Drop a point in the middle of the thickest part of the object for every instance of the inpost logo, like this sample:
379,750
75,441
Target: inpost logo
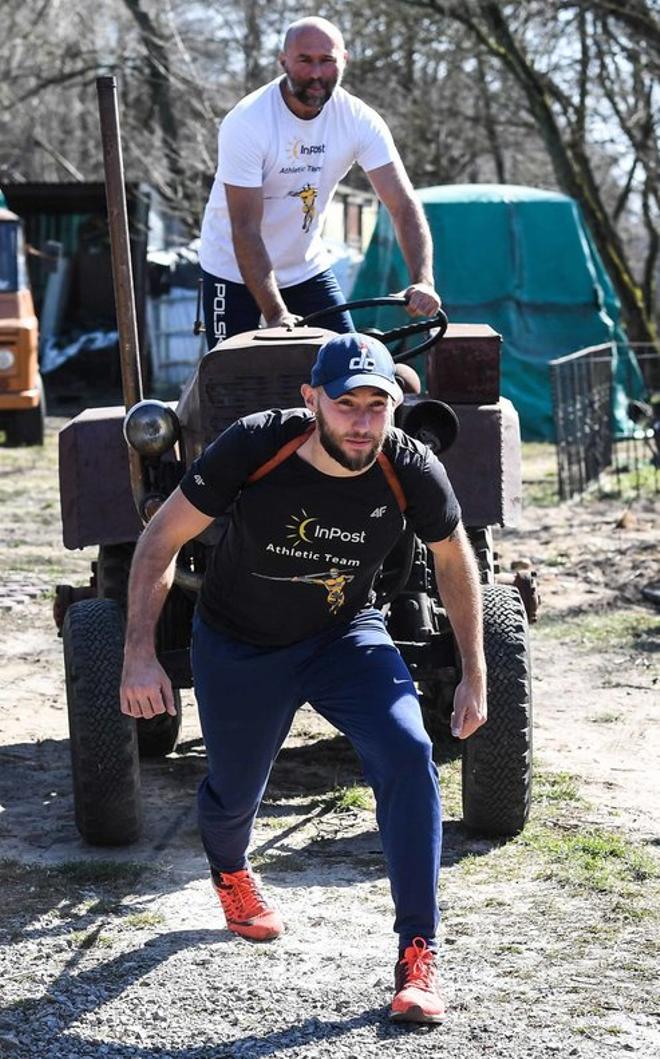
306,528
296,149
293,149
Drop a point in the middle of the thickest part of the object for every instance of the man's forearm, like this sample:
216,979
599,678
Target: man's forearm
146,689
414,238
152,575
458,585
257,271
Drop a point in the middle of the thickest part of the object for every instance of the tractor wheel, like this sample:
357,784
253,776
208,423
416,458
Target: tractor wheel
497,759
158,736
104,748
481,539
436,699
27,426
112,570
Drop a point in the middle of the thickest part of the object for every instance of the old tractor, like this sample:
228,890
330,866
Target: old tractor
109,490
21,390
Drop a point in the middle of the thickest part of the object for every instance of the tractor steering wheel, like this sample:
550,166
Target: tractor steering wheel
436,325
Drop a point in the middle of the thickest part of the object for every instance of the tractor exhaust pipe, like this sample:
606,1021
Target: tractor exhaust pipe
122,269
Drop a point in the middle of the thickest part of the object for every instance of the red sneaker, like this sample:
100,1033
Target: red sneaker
417,993
245,908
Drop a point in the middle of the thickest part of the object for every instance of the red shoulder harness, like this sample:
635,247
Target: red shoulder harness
291,446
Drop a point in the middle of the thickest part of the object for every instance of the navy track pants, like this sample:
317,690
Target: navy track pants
355,678
230,309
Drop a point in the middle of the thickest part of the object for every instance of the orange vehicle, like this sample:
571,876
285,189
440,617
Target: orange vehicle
21,391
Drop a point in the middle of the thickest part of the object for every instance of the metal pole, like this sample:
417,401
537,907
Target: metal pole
122,271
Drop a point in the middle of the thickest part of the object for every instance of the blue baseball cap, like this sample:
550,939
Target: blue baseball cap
347,361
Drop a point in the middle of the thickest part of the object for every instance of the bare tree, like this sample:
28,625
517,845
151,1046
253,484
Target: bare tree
558,93
557,82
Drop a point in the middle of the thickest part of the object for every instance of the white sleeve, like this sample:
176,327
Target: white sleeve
376,146
240,159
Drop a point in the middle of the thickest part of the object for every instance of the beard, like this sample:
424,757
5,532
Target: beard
331,442
299,89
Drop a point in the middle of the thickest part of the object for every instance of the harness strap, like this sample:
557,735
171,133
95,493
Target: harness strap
392,480
296,443
281,455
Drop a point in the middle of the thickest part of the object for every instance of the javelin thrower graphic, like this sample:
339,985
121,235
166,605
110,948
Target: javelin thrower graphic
307,196
332,581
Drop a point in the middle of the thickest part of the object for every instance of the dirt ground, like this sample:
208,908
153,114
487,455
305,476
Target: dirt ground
550,940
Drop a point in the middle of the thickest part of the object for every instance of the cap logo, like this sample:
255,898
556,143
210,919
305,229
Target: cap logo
362,363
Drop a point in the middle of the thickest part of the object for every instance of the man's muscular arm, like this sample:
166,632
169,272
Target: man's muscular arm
245,213
458,583
393,187
145,687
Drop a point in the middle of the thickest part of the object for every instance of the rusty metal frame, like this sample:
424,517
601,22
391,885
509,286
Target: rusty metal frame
122,270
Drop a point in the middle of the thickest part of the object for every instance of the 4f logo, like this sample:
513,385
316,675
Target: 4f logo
362,363
378,512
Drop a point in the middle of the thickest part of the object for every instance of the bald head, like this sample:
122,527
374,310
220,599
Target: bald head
320,26
313,59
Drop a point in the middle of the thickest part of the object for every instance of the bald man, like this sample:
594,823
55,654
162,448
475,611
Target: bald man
281,153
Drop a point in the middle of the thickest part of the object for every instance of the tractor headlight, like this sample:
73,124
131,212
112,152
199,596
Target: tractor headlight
151,427
7,359
432,422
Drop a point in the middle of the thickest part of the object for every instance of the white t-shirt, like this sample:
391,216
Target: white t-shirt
298,163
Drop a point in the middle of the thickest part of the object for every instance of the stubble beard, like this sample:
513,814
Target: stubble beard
299,90
332,445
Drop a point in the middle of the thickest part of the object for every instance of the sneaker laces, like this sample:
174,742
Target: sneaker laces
240,896
418,965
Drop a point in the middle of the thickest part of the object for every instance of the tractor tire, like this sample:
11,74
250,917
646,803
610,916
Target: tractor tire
481,539
112,569
158,736
31,425
497,759
436,700
103,741
27,426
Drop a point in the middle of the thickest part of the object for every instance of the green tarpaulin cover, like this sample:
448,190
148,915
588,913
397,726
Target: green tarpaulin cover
521,260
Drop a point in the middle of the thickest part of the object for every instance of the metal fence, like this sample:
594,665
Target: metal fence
582,395
582,406
647,359
637,453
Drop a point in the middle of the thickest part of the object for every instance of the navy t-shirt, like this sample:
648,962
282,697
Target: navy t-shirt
300,548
